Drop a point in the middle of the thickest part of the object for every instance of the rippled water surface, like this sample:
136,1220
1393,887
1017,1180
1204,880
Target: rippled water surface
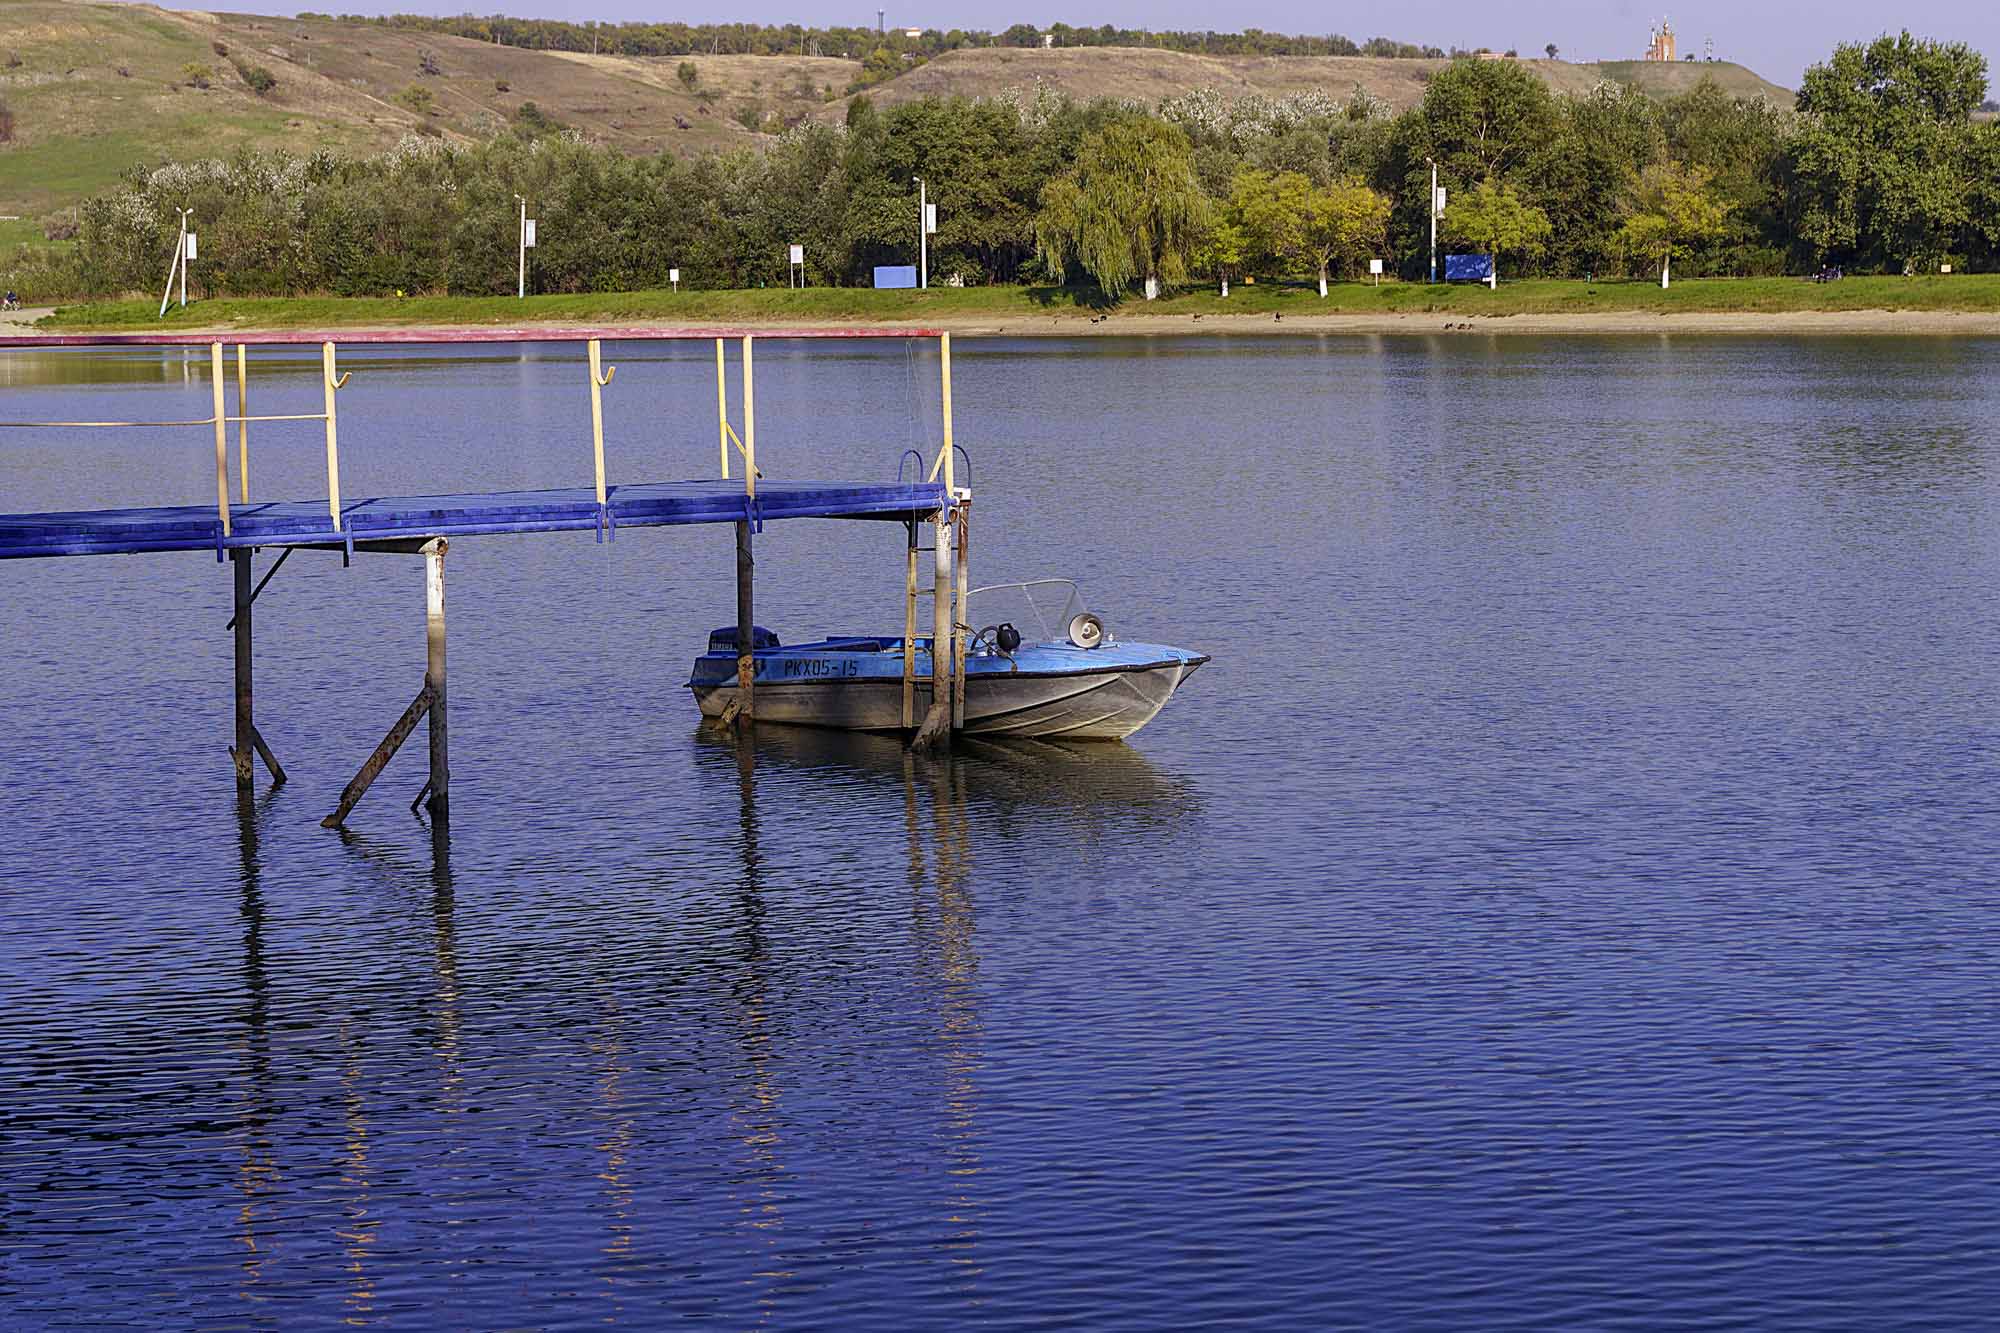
1568,898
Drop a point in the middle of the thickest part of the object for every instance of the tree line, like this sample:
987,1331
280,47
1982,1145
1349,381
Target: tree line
680,39
1880,166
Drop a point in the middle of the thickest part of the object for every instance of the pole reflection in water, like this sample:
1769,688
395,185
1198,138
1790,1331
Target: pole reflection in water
257,1172
756,1118
945,945
1091,791
358,1232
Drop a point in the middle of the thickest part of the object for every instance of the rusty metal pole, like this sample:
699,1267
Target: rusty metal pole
962,516
746,665
244,752
440,797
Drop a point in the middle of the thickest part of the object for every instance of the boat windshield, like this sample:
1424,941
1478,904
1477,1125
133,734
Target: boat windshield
1048,605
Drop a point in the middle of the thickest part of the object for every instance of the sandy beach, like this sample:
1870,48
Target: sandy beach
20,324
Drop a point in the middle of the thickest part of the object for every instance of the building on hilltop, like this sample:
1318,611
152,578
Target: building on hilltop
1660,42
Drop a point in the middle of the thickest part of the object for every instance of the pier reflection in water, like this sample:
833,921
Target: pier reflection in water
771,1119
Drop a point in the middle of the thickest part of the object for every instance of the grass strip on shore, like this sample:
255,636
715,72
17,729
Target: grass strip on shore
1969,293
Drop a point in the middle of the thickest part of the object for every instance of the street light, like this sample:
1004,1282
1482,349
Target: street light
1432,205
923,234
521,271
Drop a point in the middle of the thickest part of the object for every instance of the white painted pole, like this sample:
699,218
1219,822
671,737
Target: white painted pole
923,236
180,243
1433,207
521,271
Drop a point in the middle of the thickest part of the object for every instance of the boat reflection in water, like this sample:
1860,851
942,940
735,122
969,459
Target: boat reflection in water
1006,788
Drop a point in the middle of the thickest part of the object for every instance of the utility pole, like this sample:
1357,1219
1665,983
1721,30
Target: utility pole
923,235
1433,206
521,271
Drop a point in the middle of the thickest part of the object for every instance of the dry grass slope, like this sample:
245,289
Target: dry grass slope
101,87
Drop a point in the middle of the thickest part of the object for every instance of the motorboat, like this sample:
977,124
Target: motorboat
1076,681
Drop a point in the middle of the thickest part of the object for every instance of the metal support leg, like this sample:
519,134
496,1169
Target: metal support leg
746,665
243,752
937,720
440,785
961,523
249,740
910,632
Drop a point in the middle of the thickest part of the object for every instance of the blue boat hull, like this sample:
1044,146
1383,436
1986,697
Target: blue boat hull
1043,690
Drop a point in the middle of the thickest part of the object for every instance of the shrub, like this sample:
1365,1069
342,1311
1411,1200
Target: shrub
6,121
220,48
255,77
500,86
427,65
416,98
688,75
750,114
124,71
196,75
62,226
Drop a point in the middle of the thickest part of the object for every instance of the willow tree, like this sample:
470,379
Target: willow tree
1131,209
1672,211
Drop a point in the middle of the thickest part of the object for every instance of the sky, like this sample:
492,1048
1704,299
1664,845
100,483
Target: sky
1778,40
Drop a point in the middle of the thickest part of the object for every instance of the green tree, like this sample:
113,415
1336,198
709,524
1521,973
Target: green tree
1220,251
1269,210
1673,210
1132,208
1342,223
687,74
1493,220
1882,166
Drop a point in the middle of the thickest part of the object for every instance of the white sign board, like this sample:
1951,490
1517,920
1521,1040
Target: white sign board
1440,199
798,254
930,219
674,276
190,249
1375,267
528,235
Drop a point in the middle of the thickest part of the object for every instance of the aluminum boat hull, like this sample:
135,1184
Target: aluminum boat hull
1051,691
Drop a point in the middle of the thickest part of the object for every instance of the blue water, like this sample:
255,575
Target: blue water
1567,898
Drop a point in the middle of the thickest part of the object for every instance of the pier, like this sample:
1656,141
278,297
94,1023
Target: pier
238,526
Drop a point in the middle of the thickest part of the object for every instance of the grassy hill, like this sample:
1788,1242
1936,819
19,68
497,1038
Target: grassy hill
95,88
1148,75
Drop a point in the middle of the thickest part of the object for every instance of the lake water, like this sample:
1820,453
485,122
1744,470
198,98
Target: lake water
1568,898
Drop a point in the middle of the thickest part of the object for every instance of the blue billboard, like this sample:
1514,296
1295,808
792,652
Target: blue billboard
895,275
1468,268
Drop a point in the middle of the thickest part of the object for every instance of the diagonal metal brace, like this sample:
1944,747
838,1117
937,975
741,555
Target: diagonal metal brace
379,760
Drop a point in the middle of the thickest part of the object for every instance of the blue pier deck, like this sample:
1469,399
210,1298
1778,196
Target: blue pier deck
307,522
235,525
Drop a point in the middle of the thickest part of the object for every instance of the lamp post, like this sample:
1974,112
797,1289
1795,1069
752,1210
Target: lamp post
521,269
1432,206
923,234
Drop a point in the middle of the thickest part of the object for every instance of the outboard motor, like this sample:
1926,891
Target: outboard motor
724,640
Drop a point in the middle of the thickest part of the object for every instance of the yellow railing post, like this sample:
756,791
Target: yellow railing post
221,436
597,383
721,410
749,424
942,463
944,359
242,426
333,383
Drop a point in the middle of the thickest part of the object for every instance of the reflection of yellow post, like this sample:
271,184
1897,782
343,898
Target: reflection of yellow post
597,382
333,383
721,410
242,426
221,437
